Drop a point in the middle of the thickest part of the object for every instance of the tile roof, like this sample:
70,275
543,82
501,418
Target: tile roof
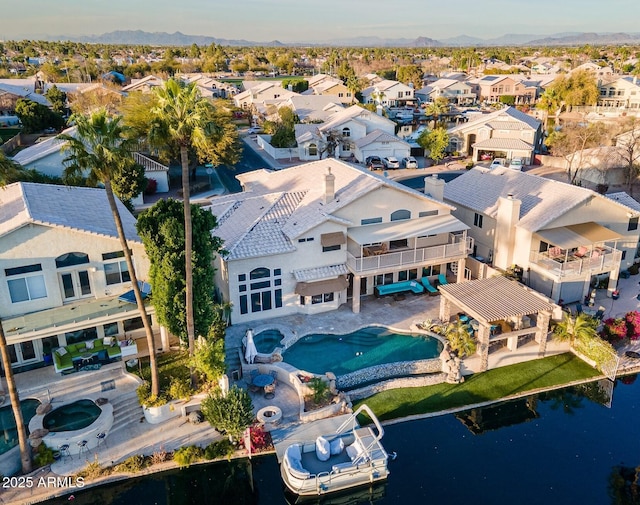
543,200
42,149
625,199
312,274
501,143
75,208
378,136
278,207
353,112
507,125
506,114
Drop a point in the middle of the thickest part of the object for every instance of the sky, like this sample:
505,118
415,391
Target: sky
307,21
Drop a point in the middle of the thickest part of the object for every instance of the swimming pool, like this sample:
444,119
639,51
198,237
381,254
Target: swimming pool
8,432
72,416
266,341
369,346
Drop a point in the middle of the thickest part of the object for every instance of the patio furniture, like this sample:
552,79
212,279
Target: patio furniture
263,380
274,374
428,286
64,357
398,287
442,279
64,451
579,308
101,437
269,391
252,375
83,447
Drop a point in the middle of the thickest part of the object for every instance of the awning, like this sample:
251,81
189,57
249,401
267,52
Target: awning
332,239
576,235
318,288
396,230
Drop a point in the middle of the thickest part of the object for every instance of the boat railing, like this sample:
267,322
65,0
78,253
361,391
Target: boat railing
351,423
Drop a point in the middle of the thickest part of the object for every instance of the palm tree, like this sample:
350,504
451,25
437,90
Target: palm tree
101,149
436,109
7,165
581,327
459,338
182,119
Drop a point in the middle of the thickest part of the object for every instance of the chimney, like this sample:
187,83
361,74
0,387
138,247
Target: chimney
434,187
329,186
379,110
507,218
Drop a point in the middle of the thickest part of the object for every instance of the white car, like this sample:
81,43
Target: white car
409,162
516,164
498,162
254,130
391,162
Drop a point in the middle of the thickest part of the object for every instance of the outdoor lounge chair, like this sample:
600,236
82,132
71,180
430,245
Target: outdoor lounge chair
428,286
442,279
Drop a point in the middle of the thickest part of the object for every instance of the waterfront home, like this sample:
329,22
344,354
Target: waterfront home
312,237
507,133
389,94
563,237
62,270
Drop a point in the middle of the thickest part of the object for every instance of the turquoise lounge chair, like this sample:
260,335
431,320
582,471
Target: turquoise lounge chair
428,286
442,279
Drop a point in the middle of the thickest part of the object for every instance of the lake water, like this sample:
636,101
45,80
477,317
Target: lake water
563,447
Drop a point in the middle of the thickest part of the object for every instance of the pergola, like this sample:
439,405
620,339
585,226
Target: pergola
499,302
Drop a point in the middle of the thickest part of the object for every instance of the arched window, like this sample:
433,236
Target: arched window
346,132
401,214
71,259
313,150
259,273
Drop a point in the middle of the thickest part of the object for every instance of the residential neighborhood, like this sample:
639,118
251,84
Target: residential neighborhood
210,252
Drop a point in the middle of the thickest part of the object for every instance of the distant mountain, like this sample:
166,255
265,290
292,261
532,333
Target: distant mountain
139,37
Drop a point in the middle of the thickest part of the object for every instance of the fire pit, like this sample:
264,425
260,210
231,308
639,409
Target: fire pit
269,416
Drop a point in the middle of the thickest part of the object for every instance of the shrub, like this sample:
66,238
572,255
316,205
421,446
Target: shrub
132,464
220,449
147,399
43,456
187,455
180,389
93,470
632,320
260,439
152,187
231,413
614,330
319,389
160,457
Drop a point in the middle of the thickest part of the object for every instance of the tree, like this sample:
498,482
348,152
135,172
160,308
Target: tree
57,98
571,141
231,413
436,142
100,149
14,397
459,338
182,120
628,142
36,117
437,108
162,231
410,74
581,327
208,359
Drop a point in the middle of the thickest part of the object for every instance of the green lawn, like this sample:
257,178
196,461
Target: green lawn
491,385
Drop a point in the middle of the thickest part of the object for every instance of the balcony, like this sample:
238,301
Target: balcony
565,265
458,248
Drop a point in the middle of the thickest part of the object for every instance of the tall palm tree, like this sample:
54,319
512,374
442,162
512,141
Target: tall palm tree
583,326
436,109
7,165
182,119
101,149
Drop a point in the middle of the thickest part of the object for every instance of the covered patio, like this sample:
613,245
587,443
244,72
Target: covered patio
502,313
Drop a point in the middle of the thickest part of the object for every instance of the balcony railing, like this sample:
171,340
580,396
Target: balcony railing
574,266
411,257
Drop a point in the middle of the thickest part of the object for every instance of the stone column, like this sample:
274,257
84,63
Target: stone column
613,280
484,333
542,331
355,303
460,275
445,309
164,338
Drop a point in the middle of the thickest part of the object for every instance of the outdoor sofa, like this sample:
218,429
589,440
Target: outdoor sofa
64,357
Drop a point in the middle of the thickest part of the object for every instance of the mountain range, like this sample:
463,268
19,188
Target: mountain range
139,37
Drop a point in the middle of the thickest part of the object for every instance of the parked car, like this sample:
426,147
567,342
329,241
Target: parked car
255,130
516,164
498,162
409,162
374,163
391,162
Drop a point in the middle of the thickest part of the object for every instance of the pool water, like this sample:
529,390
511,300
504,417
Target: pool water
71,417
370,346
266,341
8,432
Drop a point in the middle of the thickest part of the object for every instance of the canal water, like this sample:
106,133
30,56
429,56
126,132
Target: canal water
573,446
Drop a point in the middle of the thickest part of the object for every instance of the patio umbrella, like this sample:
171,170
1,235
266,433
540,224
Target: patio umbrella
250,348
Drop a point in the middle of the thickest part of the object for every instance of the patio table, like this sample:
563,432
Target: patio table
263,380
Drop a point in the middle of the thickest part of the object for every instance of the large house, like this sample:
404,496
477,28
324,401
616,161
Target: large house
325,85
506,133
389,94
456,92
62,270
312,237
344,130
261,93
563,237
490,88
622,93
